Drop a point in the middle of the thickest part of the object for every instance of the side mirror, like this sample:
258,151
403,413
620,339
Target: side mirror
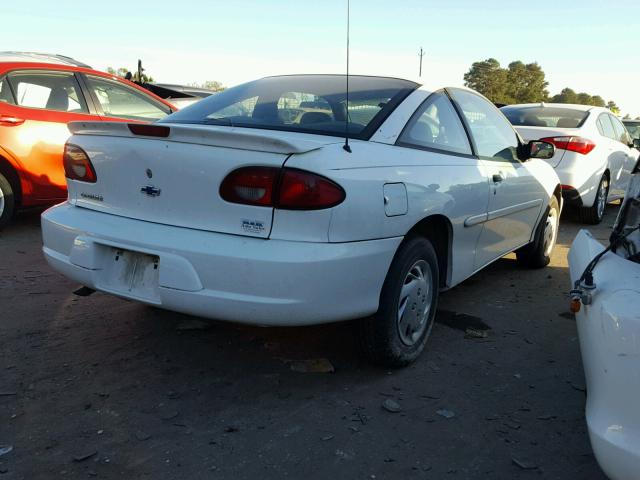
636,143
539,149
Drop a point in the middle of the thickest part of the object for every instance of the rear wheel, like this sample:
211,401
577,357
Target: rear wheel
538,253
7,201
396,335
594,214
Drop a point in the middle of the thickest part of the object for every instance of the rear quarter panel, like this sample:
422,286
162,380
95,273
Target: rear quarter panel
453,186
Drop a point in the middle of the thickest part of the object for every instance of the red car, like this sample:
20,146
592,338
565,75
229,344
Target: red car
39,95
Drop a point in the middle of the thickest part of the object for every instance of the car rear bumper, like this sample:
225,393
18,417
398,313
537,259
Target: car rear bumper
581,175
220,276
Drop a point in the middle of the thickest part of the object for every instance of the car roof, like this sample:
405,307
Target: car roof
35,57
572,106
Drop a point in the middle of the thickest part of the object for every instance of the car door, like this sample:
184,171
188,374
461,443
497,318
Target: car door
41,103
516,196
117,101
453,178
624,156
608,140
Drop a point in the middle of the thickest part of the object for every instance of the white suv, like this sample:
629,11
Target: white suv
594,152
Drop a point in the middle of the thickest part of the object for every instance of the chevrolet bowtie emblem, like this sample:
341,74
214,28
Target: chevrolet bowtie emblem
151,191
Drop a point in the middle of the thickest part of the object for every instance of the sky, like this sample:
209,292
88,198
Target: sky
587,45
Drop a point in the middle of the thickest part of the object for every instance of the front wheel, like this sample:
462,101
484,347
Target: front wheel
538,253
593,215
396,335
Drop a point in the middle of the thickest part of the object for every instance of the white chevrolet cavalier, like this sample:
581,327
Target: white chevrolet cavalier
249,207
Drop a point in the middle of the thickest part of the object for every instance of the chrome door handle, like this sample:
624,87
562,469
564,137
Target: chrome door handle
497,178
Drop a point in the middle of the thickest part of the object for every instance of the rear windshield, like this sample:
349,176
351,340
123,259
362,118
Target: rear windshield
555,117
302,103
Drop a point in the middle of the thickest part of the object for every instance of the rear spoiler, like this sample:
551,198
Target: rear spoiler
238,138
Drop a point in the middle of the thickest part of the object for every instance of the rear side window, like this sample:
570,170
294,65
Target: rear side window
554,117
6,96
121,101
436,125
605,127
633,128
57,91
492,133
621,133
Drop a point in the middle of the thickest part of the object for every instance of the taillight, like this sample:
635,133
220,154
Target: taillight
77,165
573,144
300,190
286,188
250,186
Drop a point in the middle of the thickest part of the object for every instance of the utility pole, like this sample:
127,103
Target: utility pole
421,54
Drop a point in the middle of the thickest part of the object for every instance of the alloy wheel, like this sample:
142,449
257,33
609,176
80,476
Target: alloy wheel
601,200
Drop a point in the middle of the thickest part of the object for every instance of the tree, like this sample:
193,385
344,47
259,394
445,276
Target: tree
585,99
565,96
627,117
519,83
569,96
210,85
488,78
611,105
121,72
526,83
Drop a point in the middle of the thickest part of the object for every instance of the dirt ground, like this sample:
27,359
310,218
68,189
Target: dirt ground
102,387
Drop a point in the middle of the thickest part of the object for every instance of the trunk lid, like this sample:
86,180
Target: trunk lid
175,180
537,133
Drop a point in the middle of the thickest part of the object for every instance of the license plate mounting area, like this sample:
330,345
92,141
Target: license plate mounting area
131,274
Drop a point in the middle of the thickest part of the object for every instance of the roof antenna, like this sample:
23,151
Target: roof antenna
346,120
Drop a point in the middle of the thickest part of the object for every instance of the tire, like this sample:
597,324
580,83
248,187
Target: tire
538,253
593,215
7,202
394,336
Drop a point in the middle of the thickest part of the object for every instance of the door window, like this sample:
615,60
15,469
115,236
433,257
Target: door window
121,101
605,127
5,92
493,135
57,91
621,134
436,125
